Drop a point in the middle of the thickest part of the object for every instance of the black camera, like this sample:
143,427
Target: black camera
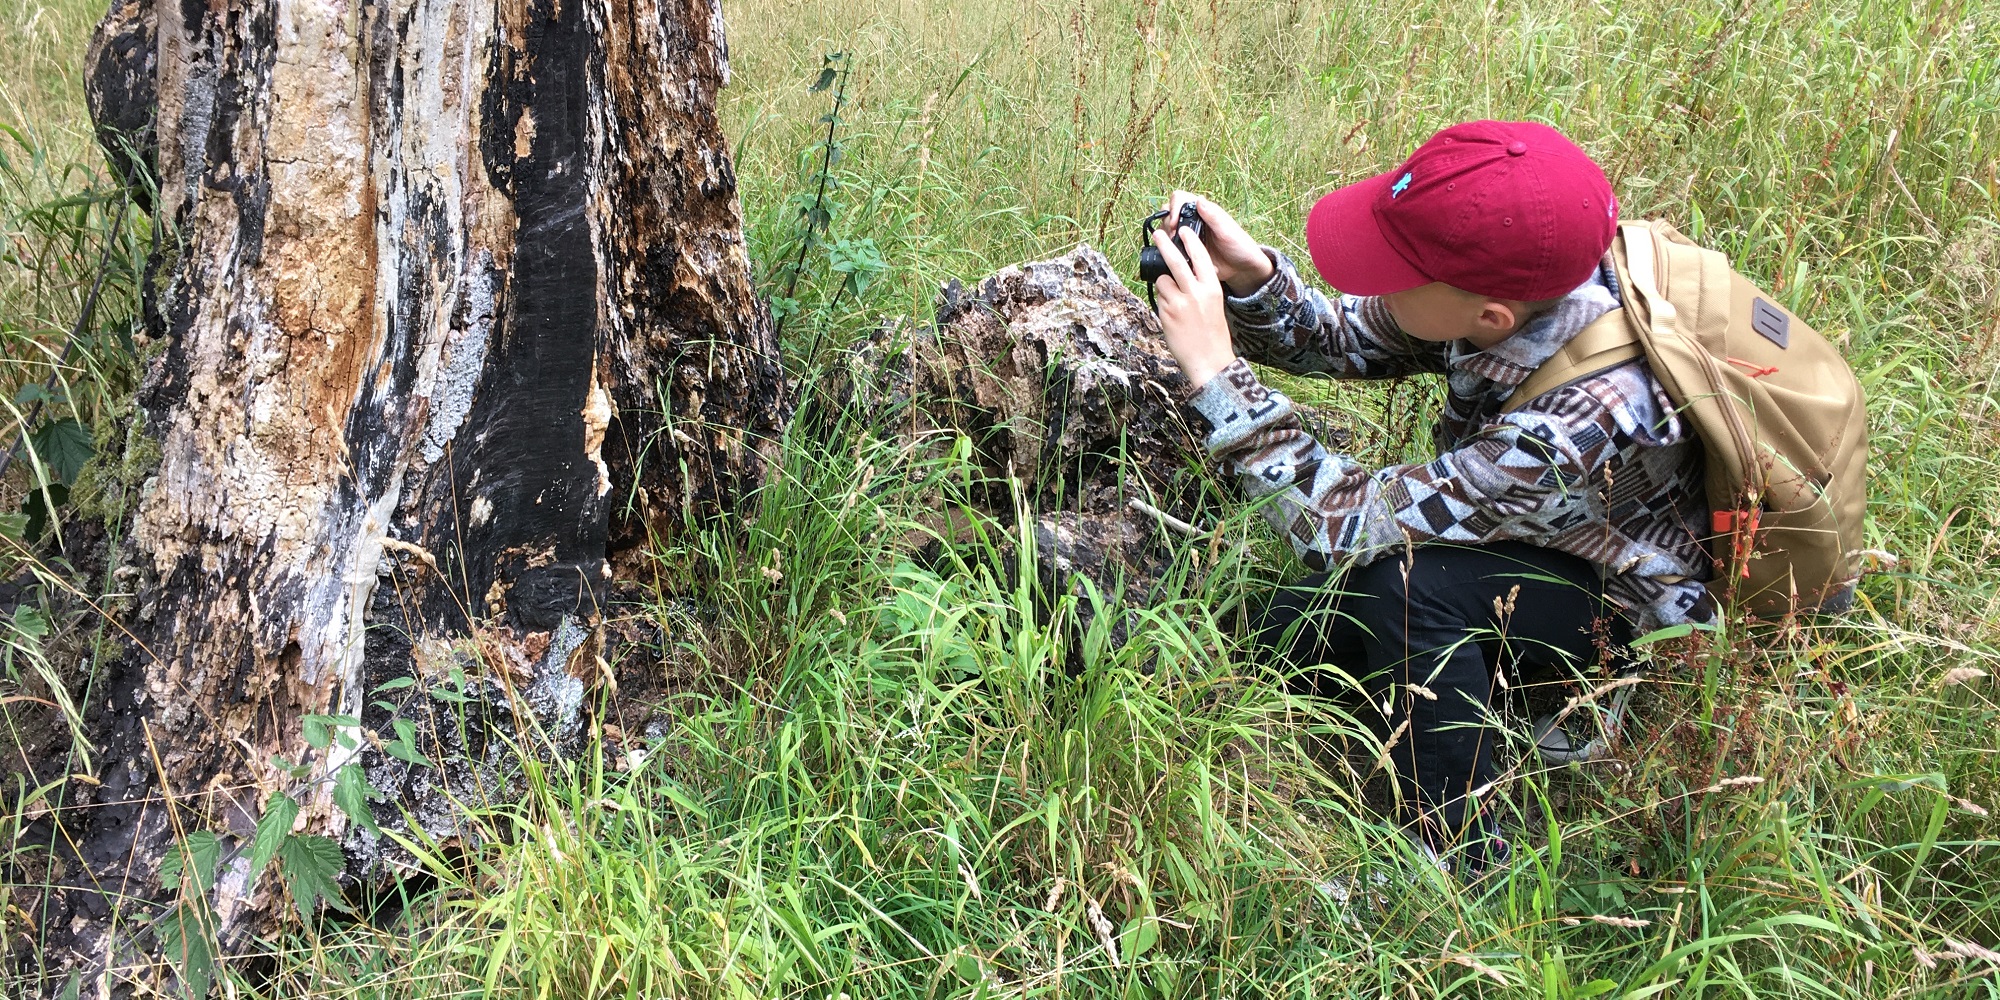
1153,267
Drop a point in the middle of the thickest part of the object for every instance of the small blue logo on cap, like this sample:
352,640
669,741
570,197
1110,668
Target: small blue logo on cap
1401,183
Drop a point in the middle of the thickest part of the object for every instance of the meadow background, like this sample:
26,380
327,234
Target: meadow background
895,782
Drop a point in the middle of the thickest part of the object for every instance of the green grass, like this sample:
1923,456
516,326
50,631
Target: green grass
898,783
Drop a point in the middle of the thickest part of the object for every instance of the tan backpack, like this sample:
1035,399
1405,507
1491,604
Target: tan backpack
1778,411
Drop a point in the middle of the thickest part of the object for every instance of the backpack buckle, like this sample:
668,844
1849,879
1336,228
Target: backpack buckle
1742,525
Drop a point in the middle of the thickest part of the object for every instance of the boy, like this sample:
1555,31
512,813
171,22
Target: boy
1559,528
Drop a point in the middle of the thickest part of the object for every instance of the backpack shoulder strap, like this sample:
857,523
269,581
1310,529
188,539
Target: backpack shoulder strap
1605,343
1612,339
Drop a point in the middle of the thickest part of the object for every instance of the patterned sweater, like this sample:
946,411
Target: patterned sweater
1601,468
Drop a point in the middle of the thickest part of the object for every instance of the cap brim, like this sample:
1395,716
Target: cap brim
1348,247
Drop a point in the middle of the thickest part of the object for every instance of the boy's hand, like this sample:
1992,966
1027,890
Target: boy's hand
1191,311
1240,264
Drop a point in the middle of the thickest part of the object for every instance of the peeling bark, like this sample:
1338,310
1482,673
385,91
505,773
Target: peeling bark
460,316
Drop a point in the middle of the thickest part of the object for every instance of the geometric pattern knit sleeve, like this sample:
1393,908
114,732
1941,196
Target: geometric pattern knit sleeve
1298,329
1521,476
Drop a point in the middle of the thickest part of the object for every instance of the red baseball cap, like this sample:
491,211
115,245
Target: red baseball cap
1512,210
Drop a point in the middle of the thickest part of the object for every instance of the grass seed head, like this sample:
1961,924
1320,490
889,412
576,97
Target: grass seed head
1960,675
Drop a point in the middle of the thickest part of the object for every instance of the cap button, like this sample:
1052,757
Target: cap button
1516,148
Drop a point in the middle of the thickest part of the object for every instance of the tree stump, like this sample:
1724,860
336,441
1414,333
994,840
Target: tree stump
1059,376
456,316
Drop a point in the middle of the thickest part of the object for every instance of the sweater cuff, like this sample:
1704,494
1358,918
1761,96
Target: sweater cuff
1266,299
1236,405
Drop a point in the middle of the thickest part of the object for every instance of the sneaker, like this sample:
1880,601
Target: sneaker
1557,737
1557,744
1475,857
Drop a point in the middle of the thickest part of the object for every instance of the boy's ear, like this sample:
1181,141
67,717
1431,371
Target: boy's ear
1497,316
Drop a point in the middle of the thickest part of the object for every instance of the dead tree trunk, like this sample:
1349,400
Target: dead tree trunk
456,312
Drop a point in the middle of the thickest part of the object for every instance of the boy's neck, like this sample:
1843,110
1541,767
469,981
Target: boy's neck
1486,340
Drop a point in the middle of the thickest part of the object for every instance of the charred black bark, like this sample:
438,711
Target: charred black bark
121,79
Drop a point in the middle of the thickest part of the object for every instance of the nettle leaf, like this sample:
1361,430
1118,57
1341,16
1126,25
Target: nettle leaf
825,80
404,746
452,689
187,939
352,793
314,731
396,684
318,730
197,855
64,446
39,505
29,622
309,865
272,829
860,260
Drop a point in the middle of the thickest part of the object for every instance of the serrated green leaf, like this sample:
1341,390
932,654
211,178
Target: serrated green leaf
64,446
309,865
396,684
318,730
314,731
404,746
197,855
351,792
968,968
14,526
187,940
39,504
29,623
443,693
272,829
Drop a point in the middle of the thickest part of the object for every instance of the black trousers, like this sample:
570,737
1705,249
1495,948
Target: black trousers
1427,632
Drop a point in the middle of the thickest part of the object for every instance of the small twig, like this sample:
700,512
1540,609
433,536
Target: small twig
1166,519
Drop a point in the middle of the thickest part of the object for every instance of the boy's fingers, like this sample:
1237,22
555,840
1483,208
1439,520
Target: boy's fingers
1220,221
1197,254
1174,207
1177,265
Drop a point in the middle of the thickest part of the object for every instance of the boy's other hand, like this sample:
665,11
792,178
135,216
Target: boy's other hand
1191,310
1240,264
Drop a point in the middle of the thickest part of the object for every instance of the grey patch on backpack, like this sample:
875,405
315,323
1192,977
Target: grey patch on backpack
1771,321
